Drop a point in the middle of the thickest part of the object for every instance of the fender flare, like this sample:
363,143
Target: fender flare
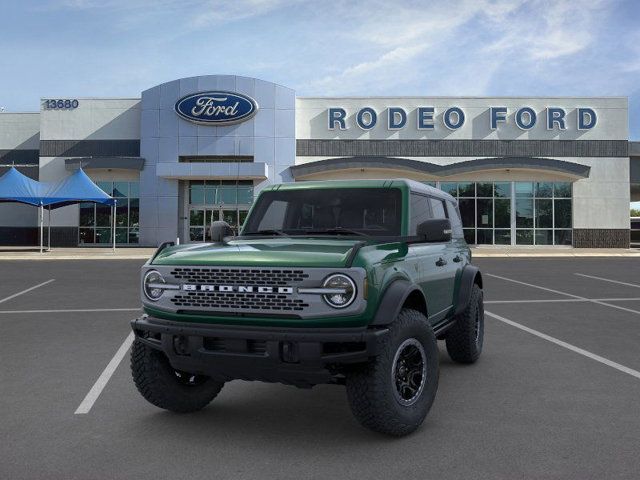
467,279
392,301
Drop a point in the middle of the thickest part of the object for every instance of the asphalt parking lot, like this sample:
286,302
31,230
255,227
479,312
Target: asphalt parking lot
555,394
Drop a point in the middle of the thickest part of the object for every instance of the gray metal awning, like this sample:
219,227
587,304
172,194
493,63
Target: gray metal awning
213,170
89,163
531,163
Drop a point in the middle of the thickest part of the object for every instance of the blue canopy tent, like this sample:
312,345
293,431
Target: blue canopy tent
16,187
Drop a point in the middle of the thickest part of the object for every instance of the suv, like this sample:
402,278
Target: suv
342,282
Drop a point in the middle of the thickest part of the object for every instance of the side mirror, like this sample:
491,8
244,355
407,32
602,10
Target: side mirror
435,230
219,230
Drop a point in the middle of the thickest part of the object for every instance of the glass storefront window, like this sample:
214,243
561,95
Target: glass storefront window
196,234
103,235
562,218
502,190
228,195
524,189
544,190
502,213
450,188
134,213
212,200
122,213
121,189
544,214
484,190
485,213
524,212
196,192
196,217
502,237
467,189
535,216
544,237
524,237
562,190
485,236
87,235
467,212
469,235
87,215
103,215
562,237
95,220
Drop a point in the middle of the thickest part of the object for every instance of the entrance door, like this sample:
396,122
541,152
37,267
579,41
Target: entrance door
200,220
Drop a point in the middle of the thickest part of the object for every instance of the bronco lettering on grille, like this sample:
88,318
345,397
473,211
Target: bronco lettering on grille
237,288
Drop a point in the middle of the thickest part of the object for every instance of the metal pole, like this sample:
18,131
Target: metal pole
49,232
41,226
113,209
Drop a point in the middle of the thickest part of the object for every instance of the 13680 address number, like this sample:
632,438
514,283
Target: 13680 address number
61,104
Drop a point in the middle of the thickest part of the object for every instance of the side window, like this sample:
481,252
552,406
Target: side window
419,211
437,206
456,222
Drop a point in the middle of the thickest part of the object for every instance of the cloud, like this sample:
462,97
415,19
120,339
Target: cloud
216,12
541,30
401,37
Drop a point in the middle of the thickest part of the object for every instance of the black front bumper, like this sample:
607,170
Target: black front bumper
297,356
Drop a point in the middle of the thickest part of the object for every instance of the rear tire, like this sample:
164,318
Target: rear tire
163,386
393,393
465,339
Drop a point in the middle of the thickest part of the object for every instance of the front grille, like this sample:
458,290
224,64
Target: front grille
238,301
238,276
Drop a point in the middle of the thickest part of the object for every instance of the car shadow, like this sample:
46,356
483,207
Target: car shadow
260,410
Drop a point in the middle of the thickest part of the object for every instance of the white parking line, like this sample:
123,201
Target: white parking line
563,300
75,310
104,377
598,302
608,280
26,291
568,346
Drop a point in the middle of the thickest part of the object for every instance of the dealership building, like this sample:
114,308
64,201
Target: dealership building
533,171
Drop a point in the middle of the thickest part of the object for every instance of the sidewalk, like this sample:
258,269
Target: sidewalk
33,253
139,253
533,252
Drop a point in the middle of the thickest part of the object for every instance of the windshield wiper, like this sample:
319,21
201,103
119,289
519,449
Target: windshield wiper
336,231
268,232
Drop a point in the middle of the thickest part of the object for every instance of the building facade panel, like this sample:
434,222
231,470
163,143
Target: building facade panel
542,171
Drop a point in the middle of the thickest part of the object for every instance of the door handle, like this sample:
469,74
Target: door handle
457,258
441,262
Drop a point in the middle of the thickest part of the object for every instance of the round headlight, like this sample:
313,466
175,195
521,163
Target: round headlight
150,285
344,291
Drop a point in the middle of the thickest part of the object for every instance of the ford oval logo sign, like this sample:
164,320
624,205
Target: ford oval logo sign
216,107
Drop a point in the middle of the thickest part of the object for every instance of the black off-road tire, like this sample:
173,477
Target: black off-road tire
464,340
163,386
372,388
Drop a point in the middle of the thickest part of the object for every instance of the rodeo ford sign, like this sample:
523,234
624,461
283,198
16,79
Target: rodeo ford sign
525,118
216,108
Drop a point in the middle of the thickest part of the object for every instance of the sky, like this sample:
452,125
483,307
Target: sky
118,48
84,48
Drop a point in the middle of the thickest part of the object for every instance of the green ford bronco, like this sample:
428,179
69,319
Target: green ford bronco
342,282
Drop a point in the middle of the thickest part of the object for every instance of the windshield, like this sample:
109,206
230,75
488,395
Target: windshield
327,211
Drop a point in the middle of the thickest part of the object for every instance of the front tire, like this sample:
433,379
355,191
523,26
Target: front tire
465,339
393,393
165,387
